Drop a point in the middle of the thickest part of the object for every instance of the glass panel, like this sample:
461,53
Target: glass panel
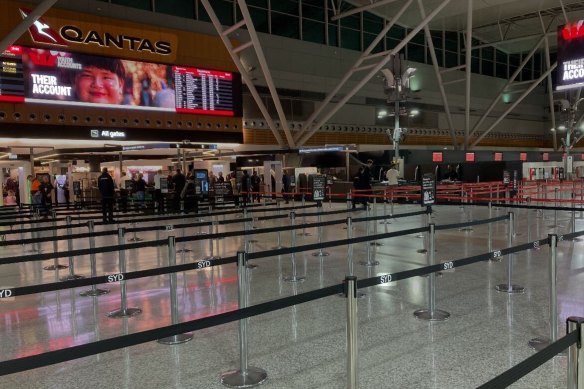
515,59
526,74
285,6
391,43
488,53
352,21
475,53
438,57
312,12
260,19
332,35
313,31
488,68
140,4
451,59
285,25
224,11
256,3
501,70
501,57
437,39
350,39
368,38
475,65
372,23
396,32
419,38
184,8
415,53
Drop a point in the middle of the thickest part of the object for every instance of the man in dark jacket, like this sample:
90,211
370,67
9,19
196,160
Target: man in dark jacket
105,184
178,183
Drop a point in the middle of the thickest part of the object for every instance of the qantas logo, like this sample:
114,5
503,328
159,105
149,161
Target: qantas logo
573,30
41,32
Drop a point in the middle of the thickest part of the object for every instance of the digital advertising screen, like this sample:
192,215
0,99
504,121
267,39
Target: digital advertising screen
570,71
71,79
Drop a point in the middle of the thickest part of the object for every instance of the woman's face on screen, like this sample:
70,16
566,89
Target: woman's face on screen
96,85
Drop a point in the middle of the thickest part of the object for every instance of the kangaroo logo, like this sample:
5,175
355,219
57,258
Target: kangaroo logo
41,32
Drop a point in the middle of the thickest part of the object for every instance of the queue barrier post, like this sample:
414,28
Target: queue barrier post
71,275
576,354
369,262
250,228
35,247
431,314
279,234
134,237
123,311
490,227
375,243
211,246
56,265
349,199
352,333
304,233
246,376
94,291
539,344
320,253
426,235
184,249
294,277
178,338
509,287
385,221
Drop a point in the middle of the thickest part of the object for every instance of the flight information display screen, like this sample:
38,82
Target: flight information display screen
58,77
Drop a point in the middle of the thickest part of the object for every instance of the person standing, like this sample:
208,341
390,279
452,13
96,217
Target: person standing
123,193
255,185
178,183
245,186
12,185
140,189
35,193
392,176
46,189
220,178
105,183
158,198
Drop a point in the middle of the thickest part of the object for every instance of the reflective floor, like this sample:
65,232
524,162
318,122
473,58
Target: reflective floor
304,346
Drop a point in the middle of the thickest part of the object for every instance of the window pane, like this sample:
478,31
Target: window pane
415,53
184,8
352,21
285,6
312,12
313,31
438,57
488,68
488,53
285,25
437,38
140,4
391,43
451,59
350,39
515,59
257,3
260,19
475,65
332,35
396,32
368,38
501,70
224,11
372,23
526,74
501,57
419,38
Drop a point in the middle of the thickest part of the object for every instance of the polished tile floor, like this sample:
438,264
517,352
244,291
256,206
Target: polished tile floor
304,346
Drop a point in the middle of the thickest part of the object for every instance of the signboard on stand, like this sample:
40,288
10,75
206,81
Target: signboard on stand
506,177
164,184
428,189
318,187
77,188
201,182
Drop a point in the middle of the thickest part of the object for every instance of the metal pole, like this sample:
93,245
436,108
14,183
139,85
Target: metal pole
320,252
375,243
279,236
55,265
350,246
352,333
179,338
94,291
211,249
246,376
490,247
304,233
431,314
576,355
71,275
293,277
538,343
509,287
369,261
124,311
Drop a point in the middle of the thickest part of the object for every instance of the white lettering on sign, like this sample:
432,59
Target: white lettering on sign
496,254
203,264
47,85
115,277
385,278
5,293
67,63
573,69
448,265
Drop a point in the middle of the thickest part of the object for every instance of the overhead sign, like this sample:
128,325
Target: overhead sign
107,134
570,72
328,149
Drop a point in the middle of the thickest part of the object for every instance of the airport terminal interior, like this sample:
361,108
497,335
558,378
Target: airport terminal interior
292,194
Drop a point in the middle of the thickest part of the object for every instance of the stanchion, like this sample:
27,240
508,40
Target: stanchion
179,338
35,247
304,233
370,262
320,252
123,311
555,210
349,200
211,249
431,314
576,354
134,237
490,227
246,376
250,239
56,265
375,243
279,234
509,287
539,344
425,235
71,275
352,333
294,277
94,291
385,221
184,249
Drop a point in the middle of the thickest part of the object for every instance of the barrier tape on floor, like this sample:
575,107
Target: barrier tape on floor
115,277
101,346
471,223
448,265
533,362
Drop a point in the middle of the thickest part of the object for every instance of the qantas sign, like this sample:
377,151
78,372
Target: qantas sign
41,32
573,30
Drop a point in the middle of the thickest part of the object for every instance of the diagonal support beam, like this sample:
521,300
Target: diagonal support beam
509,82
516,103
550,87
438,75
372,73
468,74
25,24
364,56
266,70
362,8
241,68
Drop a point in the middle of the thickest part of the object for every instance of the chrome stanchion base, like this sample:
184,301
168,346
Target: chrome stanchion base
511,289
253,376
436,315
211,258
498,259
321,254
539,344
176,339
293,279
369,263
128,312
71,277
94,293
438,274
420,236
55,267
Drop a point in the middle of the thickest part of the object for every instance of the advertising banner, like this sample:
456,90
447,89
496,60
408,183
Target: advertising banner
570,71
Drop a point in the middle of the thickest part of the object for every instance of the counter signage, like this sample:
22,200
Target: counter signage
164,184
428,189
318,187
77,188
506,177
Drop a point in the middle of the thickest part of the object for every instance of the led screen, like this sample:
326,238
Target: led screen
570,71
58,77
